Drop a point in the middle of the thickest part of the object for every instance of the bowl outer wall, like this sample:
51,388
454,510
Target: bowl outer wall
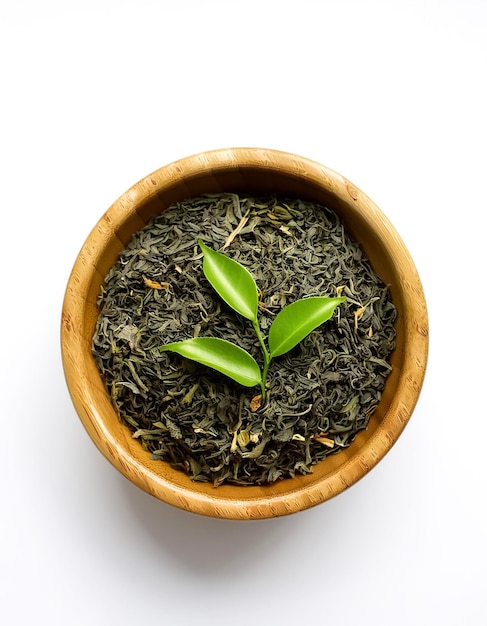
247,170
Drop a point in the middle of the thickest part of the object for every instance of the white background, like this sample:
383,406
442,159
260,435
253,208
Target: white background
97,94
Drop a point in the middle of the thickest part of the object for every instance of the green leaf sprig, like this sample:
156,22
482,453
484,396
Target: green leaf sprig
236,286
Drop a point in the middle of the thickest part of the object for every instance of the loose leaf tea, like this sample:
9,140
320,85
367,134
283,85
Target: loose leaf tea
323,387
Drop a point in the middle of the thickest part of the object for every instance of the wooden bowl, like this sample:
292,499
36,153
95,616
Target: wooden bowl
249,170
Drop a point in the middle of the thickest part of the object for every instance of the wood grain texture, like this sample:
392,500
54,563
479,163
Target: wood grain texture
250,170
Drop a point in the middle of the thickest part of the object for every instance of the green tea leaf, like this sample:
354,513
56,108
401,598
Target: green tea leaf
233,282
221,355
297,320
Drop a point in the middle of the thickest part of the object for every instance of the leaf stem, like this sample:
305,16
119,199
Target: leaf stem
266,354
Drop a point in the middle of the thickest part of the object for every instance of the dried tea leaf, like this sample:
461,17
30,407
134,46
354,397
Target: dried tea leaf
189,396
256,402
236,231
153,284
324,440
243,437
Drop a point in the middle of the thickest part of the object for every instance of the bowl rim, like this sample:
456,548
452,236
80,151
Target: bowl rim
253,502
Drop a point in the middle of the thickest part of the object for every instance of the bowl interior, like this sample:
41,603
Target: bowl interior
256,172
